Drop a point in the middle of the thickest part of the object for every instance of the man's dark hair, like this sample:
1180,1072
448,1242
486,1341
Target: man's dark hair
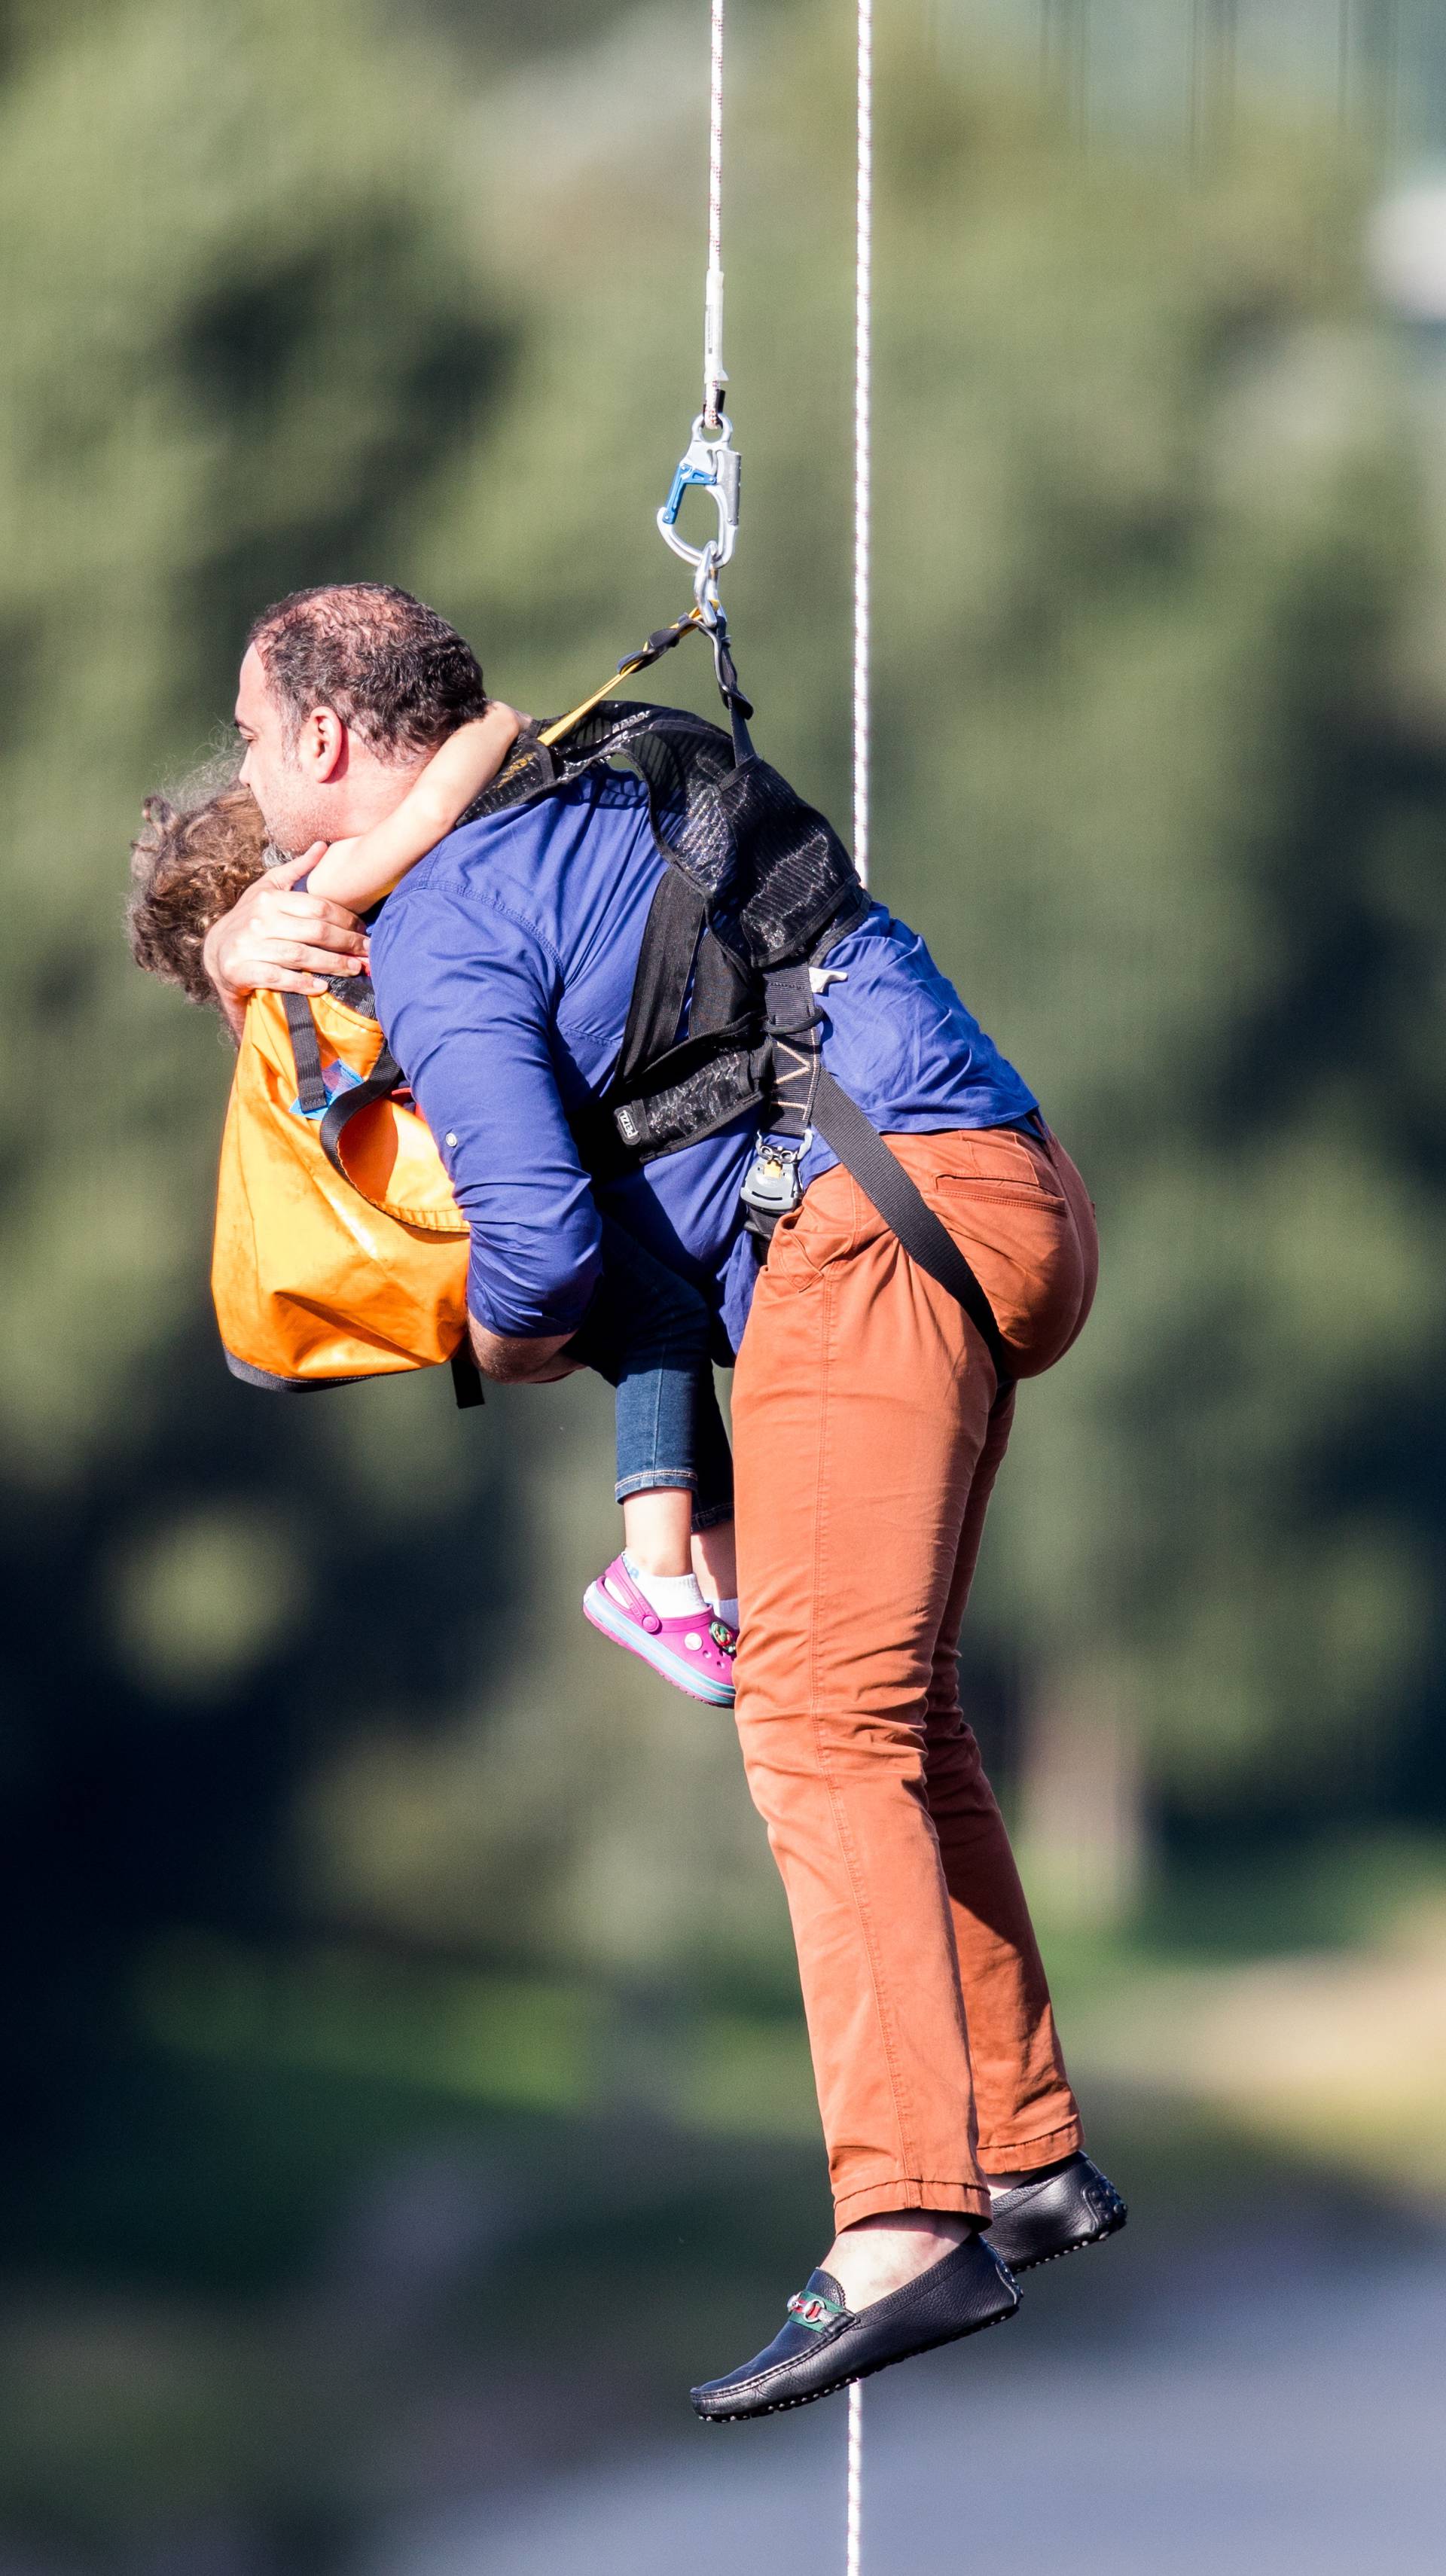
394,671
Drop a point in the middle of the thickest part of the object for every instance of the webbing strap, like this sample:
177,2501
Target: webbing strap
807,1089
306,1052
721,995
311,1091
380,1083
926,1239
660,642
311,1095
665,964
466,1379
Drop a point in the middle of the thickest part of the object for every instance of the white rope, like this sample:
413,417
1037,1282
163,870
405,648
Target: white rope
863,400
856,2477
715,374
863,410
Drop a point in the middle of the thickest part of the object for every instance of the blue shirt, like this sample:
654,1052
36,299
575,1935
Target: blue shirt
503,966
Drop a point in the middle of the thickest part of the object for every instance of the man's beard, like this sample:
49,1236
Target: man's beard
290,829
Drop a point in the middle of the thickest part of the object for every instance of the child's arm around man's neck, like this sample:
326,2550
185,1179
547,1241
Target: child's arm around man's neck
359,872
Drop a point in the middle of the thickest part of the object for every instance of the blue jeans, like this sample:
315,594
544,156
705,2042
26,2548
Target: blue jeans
648,1333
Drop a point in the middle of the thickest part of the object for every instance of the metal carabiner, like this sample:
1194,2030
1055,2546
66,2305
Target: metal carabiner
708,465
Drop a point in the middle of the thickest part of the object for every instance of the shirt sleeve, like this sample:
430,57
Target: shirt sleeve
466,995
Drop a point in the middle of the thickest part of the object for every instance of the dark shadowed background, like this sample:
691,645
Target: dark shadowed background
406,2095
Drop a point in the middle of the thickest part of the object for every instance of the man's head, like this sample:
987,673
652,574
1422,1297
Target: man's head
344,693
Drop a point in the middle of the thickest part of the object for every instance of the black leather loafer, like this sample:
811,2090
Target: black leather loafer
823,2345
1066,2210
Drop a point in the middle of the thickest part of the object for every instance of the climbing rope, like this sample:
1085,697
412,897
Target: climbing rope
710,461
863,407
715,374
863,481
856,2479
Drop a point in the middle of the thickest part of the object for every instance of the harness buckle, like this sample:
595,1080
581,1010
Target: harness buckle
772,1187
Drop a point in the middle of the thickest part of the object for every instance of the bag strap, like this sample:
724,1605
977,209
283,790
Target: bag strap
885,1183
380,1083
820,1102
311,1095
466,1379
311,1091
306,1052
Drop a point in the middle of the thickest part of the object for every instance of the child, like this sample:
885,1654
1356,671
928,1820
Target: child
647,1331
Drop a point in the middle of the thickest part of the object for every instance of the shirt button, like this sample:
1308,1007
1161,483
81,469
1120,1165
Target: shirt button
449,1138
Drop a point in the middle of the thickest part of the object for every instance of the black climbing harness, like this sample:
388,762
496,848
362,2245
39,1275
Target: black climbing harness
724,1018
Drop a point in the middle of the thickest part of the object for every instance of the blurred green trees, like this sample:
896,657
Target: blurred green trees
324,1815
317,291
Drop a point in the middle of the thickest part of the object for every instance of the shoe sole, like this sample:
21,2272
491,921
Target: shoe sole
786,2405
1077,2244
614,1623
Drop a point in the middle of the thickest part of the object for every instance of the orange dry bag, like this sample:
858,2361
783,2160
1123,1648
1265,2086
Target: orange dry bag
340,1251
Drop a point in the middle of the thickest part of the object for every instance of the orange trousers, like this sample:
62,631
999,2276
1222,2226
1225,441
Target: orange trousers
866,1441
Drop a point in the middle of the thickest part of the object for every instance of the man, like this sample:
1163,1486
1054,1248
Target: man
868,1424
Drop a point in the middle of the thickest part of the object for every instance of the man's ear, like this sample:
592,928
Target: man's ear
323,744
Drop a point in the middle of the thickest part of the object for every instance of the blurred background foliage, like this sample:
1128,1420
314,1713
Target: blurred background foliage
327,1824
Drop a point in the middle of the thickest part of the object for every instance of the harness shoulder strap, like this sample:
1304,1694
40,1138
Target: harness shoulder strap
723,993
671,935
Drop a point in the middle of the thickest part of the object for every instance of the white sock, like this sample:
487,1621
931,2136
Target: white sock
728,1613
673,1596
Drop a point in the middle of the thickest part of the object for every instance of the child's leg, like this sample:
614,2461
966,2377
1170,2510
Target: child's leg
715,1563
658,1530
647,1332
715,1555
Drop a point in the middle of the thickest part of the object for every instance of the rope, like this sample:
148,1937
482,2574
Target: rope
856,2477
715,374
863,404
863,464
863,426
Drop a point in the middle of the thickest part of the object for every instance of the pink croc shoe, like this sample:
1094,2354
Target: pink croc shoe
694,1654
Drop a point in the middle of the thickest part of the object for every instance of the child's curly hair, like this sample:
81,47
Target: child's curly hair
188,868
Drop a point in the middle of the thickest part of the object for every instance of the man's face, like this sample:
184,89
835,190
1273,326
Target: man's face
292,802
